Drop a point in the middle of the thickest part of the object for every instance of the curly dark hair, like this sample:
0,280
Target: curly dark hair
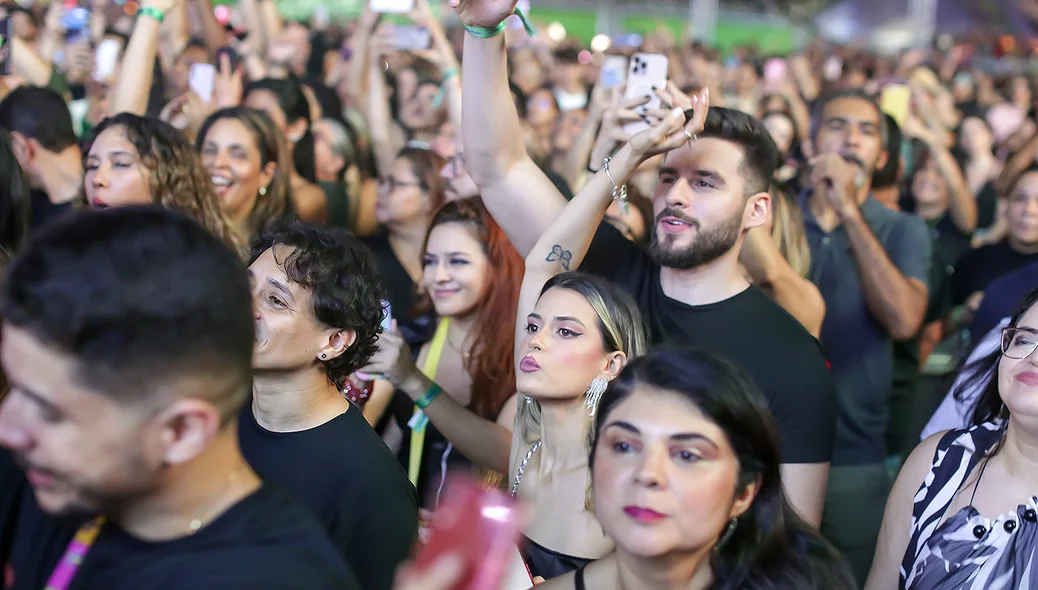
177,179
346,288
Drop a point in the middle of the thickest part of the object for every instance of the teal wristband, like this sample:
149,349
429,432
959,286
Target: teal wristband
432,393
450,74
154,13
488,32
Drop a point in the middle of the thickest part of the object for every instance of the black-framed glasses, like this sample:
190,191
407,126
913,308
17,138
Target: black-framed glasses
390,183
1019,343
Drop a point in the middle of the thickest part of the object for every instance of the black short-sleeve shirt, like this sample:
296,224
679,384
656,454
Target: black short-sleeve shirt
350,481
977,268
749,329
264,542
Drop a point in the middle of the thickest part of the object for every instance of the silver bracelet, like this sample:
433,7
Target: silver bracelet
619,192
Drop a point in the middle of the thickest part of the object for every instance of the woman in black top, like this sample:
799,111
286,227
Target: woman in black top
685,472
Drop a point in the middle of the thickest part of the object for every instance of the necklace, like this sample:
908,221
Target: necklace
465,354
522,467
207,517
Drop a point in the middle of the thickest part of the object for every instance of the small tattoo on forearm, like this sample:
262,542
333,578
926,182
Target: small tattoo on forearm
561,256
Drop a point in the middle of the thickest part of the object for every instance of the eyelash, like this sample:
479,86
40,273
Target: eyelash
275,301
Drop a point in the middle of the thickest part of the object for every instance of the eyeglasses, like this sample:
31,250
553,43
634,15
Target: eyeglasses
1019,343
390,183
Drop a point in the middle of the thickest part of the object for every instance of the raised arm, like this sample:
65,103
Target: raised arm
771,272
130,94
521,198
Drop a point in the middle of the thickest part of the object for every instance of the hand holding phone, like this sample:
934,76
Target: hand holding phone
392,6
614,71
411,38
480,527
200,80
646,74
105,58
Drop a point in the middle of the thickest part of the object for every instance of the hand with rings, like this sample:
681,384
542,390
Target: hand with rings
672,129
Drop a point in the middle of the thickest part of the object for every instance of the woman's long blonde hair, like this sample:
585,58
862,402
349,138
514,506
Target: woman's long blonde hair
787,231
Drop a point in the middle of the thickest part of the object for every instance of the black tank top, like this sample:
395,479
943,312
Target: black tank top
549,564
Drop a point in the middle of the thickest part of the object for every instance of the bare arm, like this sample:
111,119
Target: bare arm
898,302
215,37
130,94
769,270
518,194
384,142
963,206
28,64
577,158
897,519
804,484
1017,163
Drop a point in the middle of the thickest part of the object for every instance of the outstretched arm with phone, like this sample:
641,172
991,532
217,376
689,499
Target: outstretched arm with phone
517,193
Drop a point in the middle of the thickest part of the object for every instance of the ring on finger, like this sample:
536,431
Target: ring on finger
691,138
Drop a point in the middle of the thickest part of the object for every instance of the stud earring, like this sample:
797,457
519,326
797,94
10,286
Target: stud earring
263,191
323,356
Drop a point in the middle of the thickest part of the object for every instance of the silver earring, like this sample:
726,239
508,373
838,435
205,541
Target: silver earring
323,356
527,399
728,532
594,393
263,191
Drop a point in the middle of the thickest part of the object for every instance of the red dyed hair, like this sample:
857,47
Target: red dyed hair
491,364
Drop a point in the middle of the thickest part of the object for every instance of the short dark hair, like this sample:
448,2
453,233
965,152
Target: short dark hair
887,176
760,155
345,285
39,113
848,94
140,296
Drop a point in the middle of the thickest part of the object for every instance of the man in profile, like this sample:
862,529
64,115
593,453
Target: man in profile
127,340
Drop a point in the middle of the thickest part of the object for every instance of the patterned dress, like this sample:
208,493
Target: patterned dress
968,551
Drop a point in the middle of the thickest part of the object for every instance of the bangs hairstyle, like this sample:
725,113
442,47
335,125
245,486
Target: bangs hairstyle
760,155
277,203
345,285
619,320
177,179
145,300
491,364
770,546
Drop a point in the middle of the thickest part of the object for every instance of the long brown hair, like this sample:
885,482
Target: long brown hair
427,166
177,179
491,363
276,203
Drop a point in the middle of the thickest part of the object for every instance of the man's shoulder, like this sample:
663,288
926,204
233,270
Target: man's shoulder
766,328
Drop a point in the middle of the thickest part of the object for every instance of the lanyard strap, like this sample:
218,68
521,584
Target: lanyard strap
418,420
77,549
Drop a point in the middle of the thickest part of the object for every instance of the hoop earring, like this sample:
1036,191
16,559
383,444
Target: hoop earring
594,394
728,532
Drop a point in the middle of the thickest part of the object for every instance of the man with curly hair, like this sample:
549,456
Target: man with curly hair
318,308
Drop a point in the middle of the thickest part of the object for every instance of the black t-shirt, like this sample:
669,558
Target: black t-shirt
748,329
349,479
264,542
979,267
41,210
403,293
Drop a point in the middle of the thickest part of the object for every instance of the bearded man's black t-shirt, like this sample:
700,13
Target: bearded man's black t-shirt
264,542
748,329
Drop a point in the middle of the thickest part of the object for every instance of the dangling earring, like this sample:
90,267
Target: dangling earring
727,534
263,191
594,393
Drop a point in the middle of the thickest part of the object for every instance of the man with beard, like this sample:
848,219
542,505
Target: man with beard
872,266
690,286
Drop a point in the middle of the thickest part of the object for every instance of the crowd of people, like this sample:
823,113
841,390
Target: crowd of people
765,326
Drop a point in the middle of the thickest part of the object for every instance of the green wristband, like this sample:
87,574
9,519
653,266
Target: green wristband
450,74
488,32
432,393
154,13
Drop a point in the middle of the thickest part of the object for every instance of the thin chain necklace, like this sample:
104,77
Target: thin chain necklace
522,467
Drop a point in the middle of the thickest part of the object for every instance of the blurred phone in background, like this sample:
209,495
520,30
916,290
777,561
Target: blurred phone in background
105,58
833,69
387,316
6,33
774,71
645,72
200,80
392,6
411,38
896,101
614,71
482,528
75,22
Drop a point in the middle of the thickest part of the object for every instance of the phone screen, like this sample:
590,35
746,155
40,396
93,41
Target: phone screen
614,71
200,80
105,58
392,6
411,38
387,316
6,32
775,70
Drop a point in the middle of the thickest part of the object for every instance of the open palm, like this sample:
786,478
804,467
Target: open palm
483,13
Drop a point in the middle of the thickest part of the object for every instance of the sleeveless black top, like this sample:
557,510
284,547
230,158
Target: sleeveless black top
549,564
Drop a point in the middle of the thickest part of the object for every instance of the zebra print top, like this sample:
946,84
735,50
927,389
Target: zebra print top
967,551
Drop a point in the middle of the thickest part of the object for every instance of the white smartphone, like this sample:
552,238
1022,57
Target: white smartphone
393,6
645,72
411,38
614,71
320,17
833,68
200,80
105,58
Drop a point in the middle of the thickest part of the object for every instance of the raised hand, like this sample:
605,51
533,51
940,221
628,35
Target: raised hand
839,180
673,129
163,6
483,13
227,84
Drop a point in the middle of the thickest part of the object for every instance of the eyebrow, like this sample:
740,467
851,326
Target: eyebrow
698,173
681,436
34,396
281,287
559,318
